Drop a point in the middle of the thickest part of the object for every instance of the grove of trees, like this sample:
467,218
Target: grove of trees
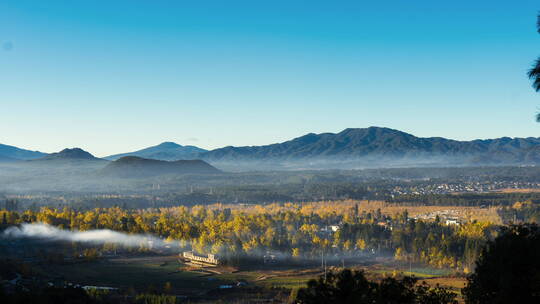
293,230
352,287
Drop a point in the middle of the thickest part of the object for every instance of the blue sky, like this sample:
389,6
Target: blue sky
116,76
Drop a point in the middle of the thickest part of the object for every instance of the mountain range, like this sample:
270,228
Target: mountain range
383,145
11,153
75,154
74,164
351,148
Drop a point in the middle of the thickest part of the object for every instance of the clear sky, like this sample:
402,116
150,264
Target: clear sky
116,76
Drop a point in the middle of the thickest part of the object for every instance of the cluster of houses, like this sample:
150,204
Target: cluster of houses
462,187
449,217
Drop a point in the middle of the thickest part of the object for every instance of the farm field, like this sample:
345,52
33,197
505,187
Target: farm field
465,213
520,190
153,273
344,206
136,273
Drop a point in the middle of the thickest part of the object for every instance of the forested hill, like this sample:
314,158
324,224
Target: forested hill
69,154
164,151
387,144
132,166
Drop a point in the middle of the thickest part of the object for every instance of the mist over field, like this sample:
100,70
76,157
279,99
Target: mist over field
47,232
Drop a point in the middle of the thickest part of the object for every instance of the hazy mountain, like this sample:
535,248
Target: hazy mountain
5,159
163,151
133,166
75,154
14,153
67,169
382,146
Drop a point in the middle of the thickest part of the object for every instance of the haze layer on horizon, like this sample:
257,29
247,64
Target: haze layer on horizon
113,77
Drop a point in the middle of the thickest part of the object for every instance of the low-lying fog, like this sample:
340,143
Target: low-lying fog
88,177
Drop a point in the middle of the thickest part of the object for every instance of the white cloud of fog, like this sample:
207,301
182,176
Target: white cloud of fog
48,232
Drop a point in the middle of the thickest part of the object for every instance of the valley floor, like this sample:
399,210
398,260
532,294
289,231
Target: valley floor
269,282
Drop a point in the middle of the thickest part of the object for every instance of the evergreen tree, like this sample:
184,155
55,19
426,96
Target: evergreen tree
508,270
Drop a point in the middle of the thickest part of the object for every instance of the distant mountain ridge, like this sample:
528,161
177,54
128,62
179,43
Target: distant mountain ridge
350,148
5,159
375,143
70,154
133,166
165,151
11,153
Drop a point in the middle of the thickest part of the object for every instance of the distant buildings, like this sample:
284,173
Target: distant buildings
334,228
452,222
330,228
449,217
459,187
269,257
202,260
99,288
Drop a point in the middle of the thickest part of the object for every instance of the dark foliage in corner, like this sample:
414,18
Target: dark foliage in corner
534,72
49,295
352,287
508,270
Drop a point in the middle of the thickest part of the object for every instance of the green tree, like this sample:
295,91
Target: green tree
167,288
508,270
534,72
352,287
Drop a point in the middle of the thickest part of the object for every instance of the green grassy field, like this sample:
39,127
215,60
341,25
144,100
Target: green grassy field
390,268
153,273
140,275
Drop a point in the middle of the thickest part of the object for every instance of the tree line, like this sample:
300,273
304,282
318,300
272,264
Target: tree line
294,231
506,272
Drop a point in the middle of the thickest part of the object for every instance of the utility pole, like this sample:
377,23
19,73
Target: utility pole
324,264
